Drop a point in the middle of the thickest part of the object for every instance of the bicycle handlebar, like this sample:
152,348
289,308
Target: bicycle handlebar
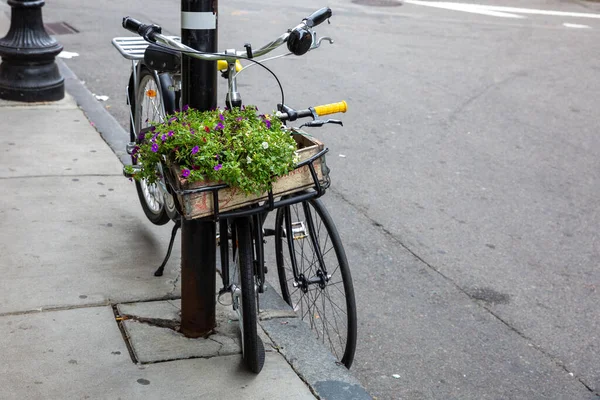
289,114
301,38
147,31
317,17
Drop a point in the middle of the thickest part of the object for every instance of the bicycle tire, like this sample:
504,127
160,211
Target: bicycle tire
148,107
312,303
253,351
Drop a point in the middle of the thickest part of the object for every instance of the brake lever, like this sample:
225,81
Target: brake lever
317,43
320,122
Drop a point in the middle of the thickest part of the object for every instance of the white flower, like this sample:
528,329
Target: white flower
248,160
296,157
265,145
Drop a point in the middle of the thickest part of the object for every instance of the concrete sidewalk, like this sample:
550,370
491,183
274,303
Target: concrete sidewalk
81,314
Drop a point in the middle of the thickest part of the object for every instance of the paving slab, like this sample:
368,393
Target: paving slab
54,141
72,232
153,331
62,248
80,354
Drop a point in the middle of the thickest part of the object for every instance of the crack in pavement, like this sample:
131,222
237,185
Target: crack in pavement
175,282
56,308
158,322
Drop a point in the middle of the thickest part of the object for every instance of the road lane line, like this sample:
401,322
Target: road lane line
470,8
541,12
576,26
499,11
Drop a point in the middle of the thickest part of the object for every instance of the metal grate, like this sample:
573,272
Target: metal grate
59,28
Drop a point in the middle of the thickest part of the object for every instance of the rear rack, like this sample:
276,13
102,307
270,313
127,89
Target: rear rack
133,47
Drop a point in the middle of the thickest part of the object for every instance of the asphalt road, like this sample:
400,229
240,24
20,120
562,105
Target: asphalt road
465,182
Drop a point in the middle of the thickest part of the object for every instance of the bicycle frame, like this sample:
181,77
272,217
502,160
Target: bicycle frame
133,49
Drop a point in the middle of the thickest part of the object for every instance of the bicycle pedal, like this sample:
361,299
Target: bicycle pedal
298,230
268,232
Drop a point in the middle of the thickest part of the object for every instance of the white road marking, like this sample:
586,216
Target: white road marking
576,26
470,8
542,12
499,11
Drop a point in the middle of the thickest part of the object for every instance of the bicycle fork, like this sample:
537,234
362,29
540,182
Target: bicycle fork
300,230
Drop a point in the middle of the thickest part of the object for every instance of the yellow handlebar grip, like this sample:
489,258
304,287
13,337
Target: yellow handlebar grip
331,108
222,65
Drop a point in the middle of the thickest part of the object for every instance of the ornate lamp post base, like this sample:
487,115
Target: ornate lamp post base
28,71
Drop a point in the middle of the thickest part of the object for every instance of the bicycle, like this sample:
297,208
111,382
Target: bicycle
306,239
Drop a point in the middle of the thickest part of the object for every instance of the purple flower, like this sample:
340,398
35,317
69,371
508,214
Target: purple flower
268,123
170,134
152,128
195,150
163,138
219,126
172,119
142,136
192,131
185,173
155,147
217,156
239,119
135,150
186,107
218,167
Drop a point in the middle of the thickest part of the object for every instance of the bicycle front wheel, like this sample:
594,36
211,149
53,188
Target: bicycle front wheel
244,297
320,290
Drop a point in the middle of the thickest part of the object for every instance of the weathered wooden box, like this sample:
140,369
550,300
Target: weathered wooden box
200,204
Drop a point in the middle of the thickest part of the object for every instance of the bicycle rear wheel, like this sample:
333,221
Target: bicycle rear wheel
243,291
148,107
305,236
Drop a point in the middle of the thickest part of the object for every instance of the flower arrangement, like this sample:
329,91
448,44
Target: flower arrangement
236,146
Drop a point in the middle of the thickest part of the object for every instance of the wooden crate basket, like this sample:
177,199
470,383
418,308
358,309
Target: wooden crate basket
197,199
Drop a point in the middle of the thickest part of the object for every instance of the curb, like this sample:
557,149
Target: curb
310,360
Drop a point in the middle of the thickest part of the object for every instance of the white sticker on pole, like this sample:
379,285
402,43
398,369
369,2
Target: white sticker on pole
198,20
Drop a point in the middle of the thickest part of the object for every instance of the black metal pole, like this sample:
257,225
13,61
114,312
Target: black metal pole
28,71
198,244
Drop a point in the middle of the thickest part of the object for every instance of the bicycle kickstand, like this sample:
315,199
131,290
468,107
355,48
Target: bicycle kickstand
160,270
